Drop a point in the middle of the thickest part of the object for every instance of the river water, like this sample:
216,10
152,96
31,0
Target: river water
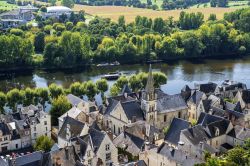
179,74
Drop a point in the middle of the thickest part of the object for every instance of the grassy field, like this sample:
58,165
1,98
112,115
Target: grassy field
231,4
6,6
130,13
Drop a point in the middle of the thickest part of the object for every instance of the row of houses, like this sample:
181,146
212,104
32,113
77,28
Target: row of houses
147,128
20,130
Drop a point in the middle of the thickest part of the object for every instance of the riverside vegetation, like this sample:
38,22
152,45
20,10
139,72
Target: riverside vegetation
69,42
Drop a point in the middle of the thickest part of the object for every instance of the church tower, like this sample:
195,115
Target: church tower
148,102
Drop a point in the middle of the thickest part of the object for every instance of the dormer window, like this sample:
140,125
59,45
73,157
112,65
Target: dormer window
217,132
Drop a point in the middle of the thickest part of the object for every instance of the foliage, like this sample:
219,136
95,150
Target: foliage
55,90
60,105
14,97
3,100
102,85
43,143
68,3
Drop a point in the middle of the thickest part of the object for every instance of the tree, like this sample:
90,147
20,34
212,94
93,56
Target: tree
114,90
52,2
43,143
39,42
75,89
3,100
42,94
91,89
213,3
14,97
121,21
236,155
60,105
68,3
55,90
222,3
212,17
159,79
29,95
102,85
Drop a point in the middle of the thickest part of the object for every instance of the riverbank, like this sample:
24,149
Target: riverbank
29,69
179,73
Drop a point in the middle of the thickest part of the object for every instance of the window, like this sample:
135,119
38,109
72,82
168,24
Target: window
107,147
216,143
88,153
46,128
34,128
34,134
193,116
5,138
16,146
89,162
165,118
108,156
119,130
45,122
179,114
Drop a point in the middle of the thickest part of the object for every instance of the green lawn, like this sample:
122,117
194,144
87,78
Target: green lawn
6,6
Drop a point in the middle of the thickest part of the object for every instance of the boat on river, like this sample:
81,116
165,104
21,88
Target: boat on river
112,76
116,63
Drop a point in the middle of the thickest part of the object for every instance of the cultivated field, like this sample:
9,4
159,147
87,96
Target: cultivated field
6,6
130,13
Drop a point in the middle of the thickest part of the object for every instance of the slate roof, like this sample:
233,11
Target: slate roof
186,88
31,159
97,138
205,119
207,87
217,111
133,144
142,129
174,131
132,109
227,146
233,107
221,126
180,157
171,103
75,128
235,113
74,100
196,97
4,128
206,104
196,134
3,162
73,113
126,89
246,96
240,132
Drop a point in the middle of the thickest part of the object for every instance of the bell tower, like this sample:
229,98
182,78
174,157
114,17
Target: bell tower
148,102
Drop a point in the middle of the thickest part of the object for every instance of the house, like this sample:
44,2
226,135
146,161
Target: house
9,137
17,17
208,135
38,120
91,145
194,102
238,135
56,12
159,108
121,112
166,155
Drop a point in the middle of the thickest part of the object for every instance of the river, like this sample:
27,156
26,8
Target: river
179,74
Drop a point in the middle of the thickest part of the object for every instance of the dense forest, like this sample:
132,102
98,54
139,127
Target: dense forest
72,42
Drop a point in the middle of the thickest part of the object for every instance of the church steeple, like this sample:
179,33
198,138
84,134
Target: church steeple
150,82
149,92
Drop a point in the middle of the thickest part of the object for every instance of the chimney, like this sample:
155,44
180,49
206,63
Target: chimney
147,145
110,134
